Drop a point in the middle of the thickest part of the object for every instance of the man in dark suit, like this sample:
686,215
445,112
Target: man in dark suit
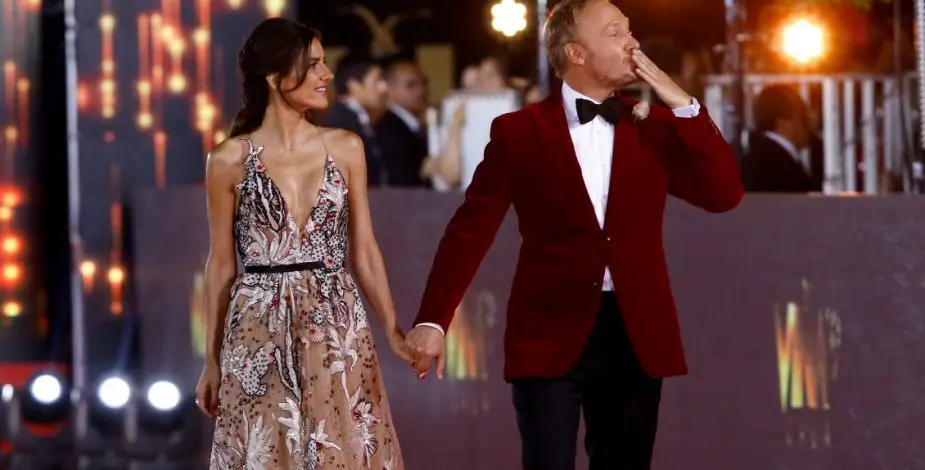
401,135
776,160
362,91
591,320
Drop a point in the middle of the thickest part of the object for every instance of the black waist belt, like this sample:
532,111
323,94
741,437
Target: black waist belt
284,268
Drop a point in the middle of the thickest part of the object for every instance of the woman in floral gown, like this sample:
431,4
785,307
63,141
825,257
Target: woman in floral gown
291,376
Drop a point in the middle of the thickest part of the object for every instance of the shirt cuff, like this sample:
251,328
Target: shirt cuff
691,111
434,326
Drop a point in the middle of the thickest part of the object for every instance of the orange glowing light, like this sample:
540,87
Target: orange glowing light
11,245
6,213
116,275
219,137
10,198
11,133
87,268
177,83
160,159
108,91
274,8
145,120
12,272
12,309
107,22
83,96
235,4
201,36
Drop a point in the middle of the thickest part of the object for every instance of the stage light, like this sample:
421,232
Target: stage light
114,393
46,389
509,17
47,398
11,273
803,41
11,198
165,408
12,309
109,405
11,244
163,396
274,8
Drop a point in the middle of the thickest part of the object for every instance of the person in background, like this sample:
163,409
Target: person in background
401,134
775,161
492,76
469,79
362,90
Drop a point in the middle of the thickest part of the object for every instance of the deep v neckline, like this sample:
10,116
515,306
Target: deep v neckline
258,149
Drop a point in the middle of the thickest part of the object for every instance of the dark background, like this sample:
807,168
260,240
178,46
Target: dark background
859,258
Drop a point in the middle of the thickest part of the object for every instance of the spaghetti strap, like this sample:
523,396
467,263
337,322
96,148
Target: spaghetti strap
250,145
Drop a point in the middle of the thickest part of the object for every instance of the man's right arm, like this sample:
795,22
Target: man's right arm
469,234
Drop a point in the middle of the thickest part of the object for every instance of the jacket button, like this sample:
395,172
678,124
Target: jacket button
607,239
596,284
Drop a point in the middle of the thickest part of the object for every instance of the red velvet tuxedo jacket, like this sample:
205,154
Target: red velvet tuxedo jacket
530,163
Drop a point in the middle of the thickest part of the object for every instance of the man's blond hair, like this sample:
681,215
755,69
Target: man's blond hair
561,29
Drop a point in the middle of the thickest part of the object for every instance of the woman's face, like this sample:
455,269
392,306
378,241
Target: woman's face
312,93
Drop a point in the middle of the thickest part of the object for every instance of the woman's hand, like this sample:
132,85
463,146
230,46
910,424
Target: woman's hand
207,390
397,342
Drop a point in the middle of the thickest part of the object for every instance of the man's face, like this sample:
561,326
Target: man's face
605,44
371,91
408,87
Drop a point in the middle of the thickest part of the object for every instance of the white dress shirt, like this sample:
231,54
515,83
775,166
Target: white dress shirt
593,143
412,122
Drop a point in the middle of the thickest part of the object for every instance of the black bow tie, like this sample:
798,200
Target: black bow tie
611,110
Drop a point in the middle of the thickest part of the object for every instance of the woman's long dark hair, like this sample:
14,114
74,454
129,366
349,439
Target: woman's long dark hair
277,46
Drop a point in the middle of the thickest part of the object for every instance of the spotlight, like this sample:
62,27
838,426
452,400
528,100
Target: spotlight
46,389
165,430
107,408
165,407
803,41
114,393
163,396
47,399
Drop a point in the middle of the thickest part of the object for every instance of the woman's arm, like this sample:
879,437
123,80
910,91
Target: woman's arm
223,169
365,258
447,166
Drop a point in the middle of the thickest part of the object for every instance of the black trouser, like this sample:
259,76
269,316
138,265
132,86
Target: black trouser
620,403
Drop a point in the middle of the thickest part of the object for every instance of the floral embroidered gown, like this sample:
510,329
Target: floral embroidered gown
301,387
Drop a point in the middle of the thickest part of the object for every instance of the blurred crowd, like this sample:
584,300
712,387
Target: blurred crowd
386,103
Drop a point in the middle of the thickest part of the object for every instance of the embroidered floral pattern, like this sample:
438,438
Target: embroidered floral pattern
300,377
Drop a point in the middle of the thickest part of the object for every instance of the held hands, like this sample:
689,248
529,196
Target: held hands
397,342
663,86
427,344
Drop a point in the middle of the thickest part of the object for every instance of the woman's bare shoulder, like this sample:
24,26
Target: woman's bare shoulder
344,146
229,153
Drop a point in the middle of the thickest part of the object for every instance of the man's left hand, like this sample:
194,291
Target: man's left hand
666,89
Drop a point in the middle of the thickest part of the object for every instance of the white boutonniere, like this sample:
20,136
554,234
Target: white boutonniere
640,111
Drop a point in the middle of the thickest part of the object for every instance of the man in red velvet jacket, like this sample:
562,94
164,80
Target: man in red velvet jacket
591,321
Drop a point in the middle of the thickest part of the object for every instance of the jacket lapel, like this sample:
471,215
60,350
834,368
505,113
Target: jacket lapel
561,150
623,180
